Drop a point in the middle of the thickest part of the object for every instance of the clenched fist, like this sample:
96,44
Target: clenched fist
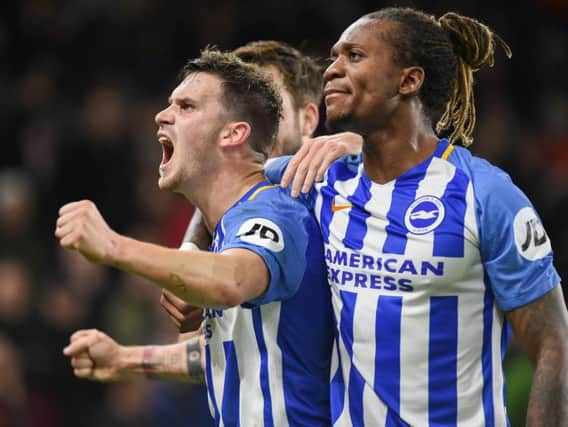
81,227
95,356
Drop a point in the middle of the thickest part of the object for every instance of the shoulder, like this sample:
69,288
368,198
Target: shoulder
273,207
490,183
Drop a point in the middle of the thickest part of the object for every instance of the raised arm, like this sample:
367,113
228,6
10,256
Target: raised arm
96,356
215,280
541,328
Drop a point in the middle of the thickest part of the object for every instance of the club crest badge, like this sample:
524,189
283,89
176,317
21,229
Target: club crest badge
424,215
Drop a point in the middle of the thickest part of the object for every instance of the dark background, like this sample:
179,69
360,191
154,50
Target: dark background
80,82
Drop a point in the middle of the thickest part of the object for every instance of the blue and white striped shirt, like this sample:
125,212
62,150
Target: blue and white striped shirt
422,269
268,361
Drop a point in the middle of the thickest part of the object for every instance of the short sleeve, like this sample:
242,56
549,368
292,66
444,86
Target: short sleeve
276,230
274,168
515,249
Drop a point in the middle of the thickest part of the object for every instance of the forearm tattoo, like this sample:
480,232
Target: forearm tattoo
540,328
178,284
161,367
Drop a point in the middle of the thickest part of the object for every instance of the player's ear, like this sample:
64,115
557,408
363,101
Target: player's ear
411,80
309,119
234,134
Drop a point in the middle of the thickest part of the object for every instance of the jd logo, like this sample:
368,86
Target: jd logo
530,238
535,234
262,232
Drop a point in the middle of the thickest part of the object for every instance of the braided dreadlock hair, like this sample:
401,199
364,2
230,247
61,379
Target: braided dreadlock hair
449,49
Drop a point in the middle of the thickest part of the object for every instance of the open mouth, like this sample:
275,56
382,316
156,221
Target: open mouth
167,149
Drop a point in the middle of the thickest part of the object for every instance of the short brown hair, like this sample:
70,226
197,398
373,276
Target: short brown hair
248,94
301,73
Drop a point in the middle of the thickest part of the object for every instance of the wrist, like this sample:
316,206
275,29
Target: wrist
131,361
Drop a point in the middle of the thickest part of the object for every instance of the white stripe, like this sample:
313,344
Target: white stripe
471,232
251,402
374,409
364,325
469,366
343,419
378,206
415,335
270,319
340,219
498,403
218,365
470,325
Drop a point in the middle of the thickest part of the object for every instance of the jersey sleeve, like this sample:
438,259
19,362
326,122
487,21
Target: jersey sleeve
275,168
277,232
515,249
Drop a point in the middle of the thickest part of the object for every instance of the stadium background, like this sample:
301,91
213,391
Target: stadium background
80,82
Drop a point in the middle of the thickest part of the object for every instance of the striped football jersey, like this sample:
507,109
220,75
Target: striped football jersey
422,269
268,361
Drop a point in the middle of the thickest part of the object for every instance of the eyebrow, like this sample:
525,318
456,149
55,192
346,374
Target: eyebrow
185,99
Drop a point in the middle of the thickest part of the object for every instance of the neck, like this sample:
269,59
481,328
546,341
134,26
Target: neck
214,195
392,150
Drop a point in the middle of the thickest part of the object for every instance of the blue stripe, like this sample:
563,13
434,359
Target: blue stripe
357,225
230,405
387,351
356,381
443,361
264,381
337,384
210,387
339,171
441,147
403,195
486,358
394,420
449,236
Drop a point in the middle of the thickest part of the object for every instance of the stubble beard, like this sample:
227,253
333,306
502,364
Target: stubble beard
339,123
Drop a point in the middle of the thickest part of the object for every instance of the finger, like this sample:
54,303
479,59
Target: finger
82,333
62,231
301,172
324,166
177,302
82,361
172,311
293,164
73,206
80,345
71,241
313,168
83,373
70,216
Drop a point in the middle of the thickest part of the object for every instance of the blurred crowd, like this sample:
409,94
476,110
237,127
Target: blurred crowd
81,81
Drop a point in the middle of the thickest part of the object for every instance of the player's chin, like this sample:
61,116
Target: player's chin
336,121
166,183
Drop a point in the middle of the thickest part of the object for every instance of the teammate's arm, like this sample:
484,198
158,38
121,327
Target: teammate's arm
186,317
541,328
215,280
96,356
315,156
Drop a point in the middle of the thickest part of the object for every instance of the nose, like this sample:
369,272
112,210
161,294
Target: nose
164,117
334,70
